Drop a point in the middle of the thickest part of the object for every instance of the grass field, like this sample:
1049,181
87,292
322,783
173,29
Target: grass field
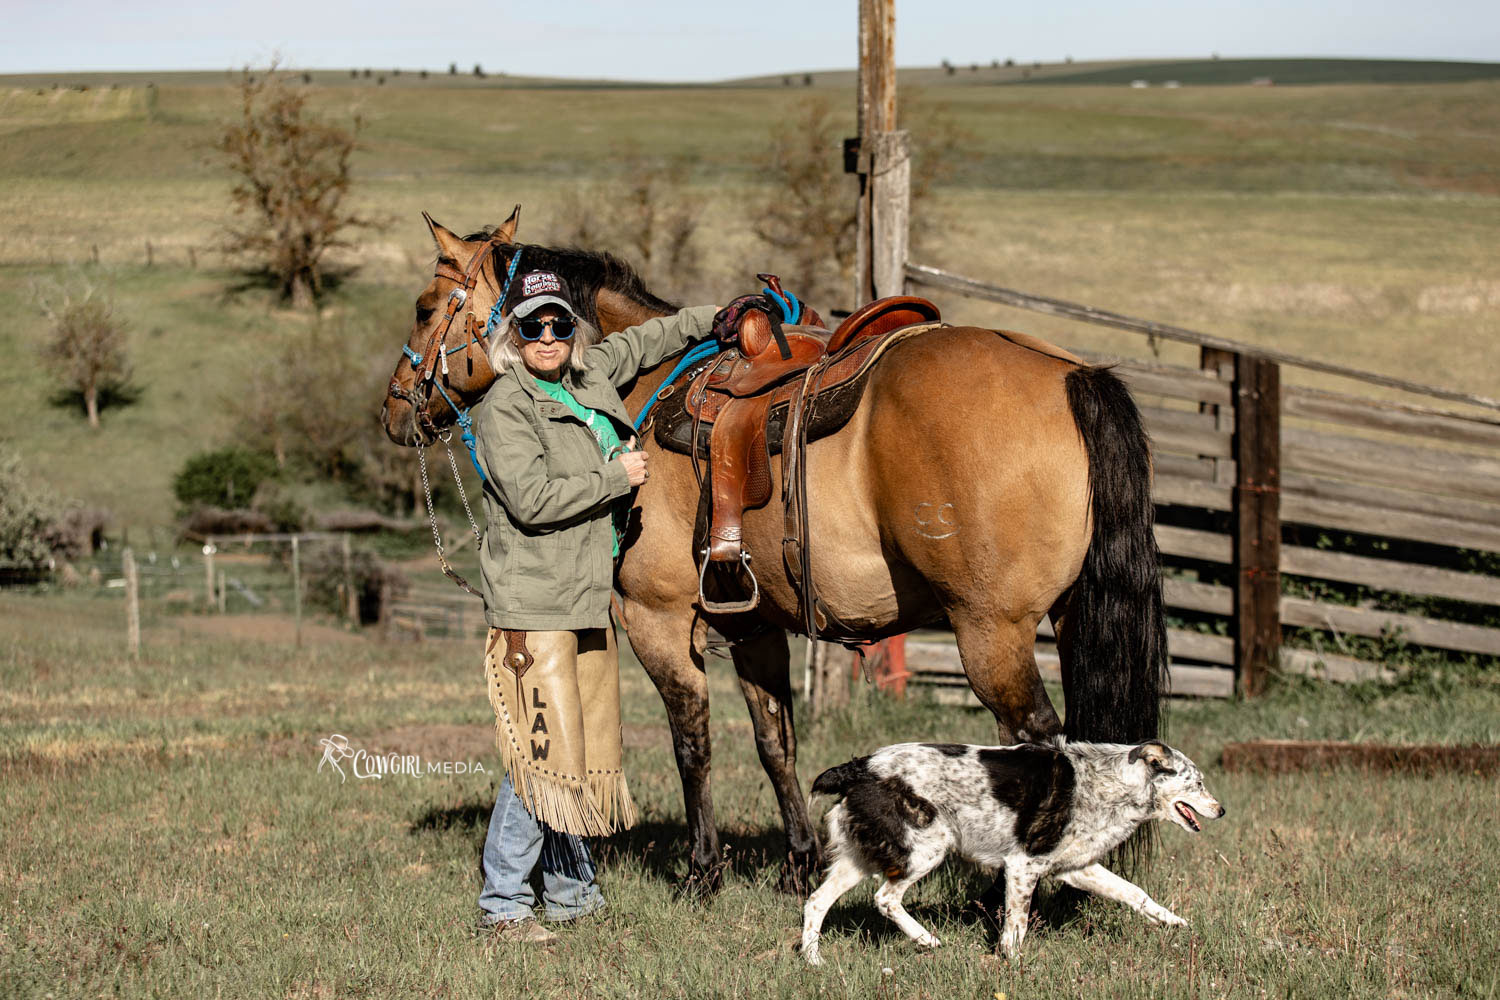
1353,223
167,833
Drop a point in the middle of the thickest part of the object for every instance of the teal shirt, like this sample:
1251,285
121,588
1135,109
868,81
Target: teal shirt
610,445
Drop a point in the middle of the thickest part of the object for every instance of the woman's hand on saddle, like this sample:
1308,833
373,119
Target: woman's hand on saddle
635,464
726,326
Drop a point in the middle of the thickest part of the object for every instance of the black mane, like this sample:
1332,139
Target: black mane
587,272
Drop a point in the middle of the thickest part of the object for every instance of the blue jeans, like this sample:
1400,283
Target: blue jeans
514,845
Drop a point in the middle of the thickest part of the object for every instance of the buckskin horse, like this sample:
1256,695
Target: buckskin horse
984,477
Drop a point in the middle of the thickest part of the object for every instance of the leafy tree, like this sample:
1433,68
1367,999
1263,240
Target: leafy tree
292,173
86,348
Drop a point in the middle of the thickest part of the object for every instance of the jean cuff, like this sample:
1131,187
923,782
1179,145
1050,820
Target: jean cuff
561,915
489,918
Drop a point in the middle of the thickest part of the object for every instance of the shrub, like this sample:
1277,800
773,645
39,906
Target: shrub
374,581
225,478
27,512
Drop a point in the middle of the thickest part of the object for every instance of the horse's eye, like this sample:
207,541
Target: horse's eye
423,314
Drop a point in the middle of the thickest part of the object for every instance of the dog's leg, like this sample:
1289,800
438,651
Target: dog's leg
926,853
888,902
1103,882
843,875
1020,883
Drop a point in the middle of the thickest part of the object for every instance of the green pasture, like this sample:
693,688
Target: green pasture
167,833
1353,223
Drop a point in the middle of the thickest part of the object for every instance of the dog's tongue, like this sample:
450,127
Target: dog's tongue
1186,811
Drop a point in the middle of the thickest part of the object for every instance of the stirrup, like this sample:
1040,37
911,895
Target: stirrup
731,607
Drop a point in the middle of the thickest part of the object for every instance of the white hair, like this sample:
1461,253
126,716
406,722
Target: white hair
505,347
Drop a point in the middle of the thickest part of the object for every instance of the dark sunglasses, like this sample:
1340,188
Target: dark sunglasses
563,328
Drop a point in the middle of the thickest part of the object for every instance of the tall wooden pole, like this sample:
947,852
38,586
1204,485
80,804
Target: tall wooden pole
882,158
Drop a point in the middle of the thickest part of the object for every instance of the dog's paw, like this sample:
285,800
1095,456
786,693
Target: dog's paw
1167,917
929,940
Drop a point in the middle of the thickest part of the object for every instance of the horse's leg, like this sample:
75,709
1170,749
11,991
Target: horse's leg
763,667
666,642
999,657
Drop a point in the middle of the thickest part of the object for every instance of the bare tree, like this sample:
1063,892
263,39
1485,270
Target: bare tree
649,215
87,343
807,215
292,175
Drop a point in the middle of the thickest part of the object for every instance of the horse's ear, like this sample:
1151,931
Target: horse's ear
448,243
507,231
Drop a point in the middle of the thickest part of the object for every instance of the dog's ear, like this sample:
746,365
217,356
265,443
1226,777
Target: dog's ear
1154,754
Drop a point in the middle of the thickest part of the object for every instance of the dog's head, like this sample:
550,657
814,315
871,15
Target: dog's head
1177,789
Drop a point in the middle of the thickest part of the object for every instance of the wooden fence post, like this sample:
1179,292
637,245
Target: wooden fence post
297,589
208,568
132,602
1256,520
351,601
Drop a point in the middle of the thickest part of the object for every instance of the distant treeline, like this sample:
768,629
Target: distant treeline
1282,72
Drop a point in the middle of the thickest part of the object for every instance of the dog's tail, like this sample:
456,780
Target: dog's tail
838,780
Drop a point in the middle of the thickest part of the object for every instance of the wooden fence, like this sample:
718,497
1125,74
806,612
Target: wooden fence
1376,513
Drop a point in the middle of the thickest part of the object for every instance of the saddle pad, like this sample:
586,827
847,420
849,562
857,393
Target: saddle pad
831,407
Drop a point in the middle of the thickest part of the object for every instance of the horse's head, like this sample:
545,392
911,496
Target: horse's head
445,364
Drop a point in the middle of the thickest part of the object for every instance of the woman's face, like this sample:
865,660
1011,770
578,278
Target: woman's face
546,356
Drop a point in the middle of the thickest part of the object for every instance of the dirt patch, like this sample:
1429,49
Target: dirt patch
261,628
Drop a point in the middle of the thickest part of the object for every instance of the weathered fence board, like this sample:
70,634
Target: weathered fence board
1385,463
1387,574
1371,414
1407,500
1370,622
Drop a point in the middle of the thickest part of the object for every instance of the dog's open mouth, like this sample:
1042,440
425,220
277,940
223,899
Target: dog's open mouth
1186,812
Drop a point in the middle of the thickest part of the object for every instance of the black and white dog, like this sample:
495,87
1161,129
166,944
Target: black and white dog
1035,809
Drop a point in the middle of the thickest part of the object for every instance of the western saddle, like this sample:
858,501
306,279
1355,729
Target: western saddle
767,394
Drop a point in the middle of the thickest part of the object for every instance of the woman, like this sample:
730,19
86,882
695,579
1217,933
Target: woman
550,434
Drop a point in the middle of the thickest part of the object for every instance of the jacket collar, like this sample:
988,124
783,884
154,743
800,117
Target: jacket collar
594,392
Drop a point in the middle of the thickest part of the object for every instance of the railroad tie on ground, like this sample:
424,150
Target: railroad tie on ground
1287,756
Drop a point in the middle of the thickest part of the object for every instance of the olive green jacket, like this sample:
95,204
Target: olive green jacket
546,560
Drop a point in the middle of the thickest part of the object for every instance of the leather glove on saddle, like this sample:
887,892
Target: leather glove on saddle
750,322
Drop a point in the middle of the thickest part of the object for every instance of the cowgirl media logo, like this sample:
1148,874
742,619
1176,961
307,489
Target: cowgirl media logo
363,764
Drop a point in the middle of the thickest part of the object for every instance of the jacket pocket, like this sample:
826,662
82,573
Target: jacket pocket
537,573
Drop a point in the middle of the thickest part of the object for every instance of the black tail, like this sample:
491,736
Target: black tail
1116,672
838,780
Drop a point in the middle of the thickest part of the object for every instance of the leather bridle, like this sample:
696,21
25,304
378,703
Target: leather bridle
434,356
